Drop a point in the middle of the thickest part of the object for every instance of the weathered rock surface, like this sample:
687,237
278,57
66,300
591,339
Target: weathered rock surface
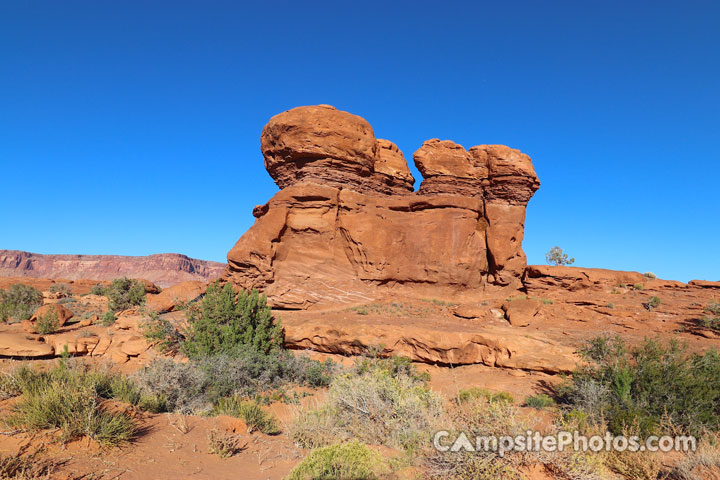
452,344
521,312
163,269
539,278
171,297
62,313
346,224
18,345
704,284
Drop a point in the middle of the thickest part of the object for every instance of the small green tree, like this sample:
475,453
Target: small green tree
19,302
124,293
556,257
224,321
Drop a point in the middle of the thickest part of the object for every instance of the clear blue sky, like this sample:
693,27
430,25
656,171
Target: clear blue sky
132,127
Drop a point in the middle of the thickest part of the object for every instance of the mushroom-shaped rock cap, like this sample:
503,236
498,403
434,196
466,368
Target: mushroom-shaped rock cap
390,161
502,161
443,157
320,137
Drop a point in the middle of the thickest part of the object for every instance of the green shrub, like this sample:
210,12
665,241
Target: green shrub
473,393
47,323
539,401
160,332
712,321
62,290
647,386
652,303
108,318
67,398
19,302
392,366
649,275
556,256
99,290
346,461
639,286
225,321
251,412
124,293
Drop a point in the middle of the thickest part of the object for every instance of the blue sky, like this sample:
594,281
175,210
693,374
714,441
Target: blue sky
133,127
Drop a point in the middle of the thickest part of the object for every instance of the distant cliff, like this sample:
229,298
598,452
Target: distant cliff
163,269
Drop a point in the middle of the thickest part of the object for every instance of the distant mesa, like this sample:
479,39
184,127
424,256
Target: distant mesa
163,269
347,224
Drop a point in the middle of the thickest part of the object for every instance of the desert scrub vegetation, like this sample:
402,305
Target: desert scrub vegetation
379,401
60,290
652,303
47,323
712,320
159,332
194,387
540,401
481,416
556,257
350,460
235,349
224,444
70,397
27,466
250,411
122,294
19,302
473,393
646,387
225,321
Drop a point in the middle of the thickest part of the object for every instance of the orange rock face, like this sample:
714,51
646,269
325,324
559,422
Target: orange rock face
347,226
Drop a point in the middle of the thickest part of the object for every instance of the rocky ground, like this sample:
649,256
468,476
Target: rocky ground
519,343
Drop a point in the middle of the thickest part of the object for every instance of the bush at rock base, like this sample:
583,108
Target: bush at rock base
47,323
250,411
19,302
124,293
224,321
195,386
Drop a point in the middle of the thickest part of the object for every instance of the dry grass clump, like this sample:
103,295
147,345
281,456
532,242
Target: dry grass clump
224,444
70,397
251,412
23,466
703,463
380,402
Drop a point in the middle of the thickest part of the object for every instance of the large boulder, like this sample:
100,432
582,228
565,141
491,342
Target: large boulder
347,226
170,298
63,314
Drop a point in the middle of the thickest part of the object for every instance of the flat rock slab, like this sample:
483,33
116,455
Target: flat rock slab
449,344
15,344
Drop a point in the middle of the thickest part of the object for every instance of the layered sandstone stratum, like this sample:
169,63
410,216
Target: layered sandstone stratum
163,269
347,225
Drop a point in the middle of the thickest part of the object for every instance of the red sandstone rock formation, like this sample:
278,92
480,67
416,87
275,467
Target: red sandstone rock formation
163,269
346,223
